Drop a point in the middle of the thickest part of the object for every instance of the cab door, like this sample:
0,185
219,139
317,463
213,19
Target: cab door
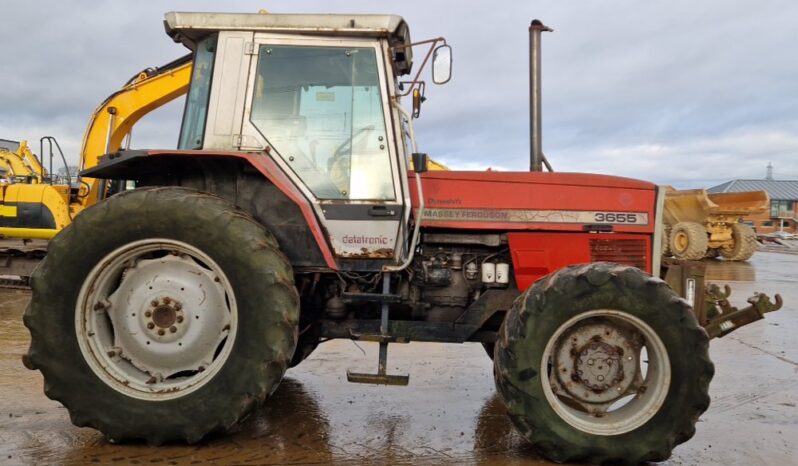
321,108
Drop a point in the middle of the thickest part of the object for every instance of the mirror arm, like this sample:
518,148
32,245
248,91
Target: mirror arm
433,43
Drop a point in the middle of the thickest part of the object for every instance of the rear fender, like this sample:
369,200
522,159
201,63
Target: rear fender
251,180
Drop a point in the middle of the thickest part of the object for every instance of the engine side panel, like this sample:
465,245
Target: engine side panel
536,201
537,254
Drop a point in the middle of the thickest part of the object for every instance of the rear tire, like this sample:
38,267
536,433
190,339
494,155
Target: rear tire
688,241
489,349
575,338
666,241
744,243
128,290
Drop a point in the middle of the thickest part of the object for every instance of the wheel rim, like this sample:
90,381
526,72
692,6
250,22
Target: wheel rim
680,241
607,372
156,319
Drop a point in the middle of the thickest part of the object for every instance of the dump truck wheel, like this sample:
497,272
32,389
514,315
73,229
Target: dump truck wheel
162,314
744,243
688,241
666,242
603,363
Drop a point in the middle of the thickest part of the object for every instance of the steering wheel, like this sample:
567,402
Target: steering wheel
338,152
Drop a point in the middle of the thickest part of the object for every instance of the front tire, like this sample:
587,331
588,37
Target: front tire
688,241
162,314
603,363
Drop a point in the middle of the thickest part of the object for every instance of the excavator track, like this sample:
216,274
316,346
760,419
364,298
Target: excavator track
18,258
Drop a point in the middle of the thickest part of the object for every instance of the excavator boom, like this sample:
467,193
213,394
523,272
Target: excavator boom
40,210
115,117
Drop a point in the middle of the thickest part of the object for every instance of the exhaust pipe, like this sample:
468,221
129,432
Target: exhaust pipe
536,157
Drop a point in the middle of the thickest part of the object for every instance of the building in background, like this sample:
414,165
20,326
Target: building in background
783,214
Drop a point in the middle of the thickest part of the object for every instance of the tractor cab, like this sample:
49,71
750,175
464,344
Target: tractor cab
319,94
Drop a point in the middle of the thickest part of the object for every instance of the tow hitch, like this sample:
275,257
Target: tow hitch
723,318
714,312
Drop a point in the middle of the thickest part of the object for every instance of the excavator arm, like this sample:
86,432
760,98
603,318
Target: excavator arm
115,117
22,163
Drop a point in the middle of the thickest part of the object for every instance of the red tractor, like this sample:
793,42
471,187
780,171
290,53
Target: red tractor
289,216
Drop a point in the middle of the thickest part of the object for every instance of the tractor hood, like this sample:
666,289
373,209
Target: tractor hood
536,201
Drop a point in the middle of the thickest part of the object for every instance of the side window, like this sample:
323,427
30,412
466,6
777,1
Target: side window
321,109
196,111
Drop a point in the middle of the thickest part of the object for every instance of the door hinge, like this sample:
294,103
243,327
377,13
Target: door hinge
240,143
249,48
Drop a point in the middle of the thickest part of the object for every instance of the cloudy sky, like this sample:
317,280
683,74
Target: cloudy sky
679,92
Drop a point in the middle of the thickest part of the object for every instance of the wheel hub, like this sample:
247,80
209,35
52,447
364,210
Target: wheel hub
164,319
596,362
680,241
164,338
164,316
598,366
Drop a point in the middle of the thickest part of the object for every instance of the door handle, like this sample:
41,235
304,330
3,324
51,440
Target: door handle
381,211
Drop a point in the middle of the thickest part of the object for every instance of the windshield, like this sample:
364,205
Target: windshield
195,114
321,109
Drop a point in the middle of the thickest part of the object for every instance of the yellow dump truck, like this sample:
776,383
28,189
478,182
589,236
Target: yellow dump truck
699,224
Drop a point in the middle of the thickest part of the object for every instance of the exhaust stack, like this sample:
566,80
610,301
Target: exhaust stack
536,158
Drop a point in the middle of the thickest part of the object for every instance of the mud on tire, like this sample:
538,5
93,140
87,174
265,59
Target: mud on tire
567,306
261,296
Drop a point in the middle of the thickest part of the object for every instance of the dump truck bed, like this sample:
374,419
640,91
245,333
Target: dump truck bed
696,205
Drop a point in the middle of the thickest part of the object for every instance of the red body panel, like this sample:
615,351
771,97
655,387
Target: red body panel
537,254
483,197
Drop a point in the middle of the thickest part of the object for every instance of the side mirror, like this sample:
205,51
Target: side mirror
442,65
419,162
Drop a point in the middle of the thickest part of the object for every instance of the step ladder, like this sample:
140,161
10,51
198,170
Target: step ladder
381,377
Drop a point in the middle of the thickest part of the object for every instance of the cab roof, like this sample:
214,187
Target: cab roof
187,27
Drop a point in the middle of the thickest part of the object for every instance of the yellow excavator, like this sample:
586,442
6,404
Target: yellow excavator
18,164
40,210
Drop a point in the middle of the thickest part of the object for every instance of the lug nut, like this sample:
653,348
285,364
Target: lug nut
167,300
173,329
111,354
154,302
150,326
179,319
161,332
148,314
178,306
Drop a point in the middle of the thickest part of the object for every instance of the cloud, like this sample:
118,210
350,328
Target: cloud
675,92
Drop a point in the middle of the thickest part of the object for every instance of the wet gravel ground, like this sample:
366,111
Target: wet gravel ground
449,414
